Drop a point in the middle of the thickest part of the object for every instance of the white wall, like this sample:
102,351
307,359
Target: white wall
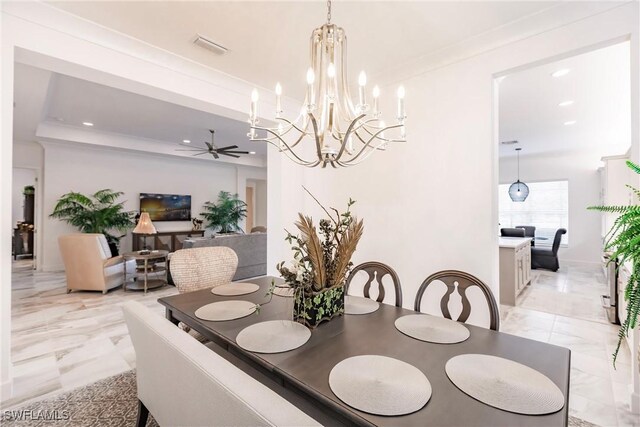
21,178
580,169
431,203
76,167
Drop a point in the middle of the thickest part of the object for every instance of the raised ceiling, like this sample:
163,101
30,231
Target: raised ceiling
46,97
268,41
598,83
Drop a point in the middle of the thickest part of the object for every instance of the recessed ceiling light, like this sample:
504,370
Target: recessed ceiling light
186,141
570,122
509,142
565,103
252,152
87,124
560,73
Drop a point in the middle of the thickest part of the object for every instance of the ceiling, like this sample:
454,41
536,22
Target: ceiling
45,97
598,83
268,41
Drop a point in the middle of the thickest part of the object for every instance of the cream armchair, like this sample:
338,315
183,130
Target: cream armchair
89,265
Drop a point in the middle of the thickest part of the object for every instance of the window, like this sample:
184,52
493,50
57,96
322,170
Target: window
546,208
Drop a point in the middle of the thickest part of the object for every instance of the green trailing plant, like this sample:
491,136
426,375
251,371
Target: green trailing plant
96,213
624,241
225,215
28,190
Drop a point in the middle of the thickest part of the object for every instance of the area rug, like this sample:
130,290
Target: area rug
111,402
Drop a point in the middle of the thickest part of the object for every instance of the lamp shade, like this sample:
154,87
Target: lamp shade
145,226
518,191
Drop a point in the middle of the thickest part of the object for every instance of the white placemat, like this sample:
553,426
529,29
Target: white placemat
380,385
283,291
233,289
359,305
273,336
504,384
225,310
435,329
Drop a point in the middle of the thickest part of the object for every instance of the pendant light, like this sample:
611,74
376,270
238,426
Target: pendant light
518,191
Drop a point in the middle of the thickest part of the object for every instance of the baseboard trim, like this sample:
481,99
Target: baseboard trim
6,390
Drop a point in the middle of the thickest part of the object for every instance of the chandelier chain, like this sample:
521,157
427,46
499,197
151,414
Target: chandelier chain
328,11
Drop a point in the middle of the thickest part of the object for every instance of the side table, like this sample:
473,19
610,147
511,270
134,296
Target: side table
130,283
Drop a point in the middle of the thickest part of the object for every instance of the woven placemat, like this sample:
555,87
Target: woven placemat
359,305
225,310
234,289
434,329
380,385
505,384
283,290
273,336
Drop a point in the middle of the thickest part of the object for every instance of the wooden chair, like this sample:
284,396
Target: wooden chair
376,271
461,281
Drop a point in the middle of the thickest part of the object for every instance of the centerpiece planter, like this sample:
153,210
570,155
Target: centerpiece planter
321,264
312,308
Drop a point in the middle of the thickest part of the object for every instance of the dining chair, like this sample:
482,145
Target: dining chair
375,272
512,232
529,231
547,258
199,268
462,283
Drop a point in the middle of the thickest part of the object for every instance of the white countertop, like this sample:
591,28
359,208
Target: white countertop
513,242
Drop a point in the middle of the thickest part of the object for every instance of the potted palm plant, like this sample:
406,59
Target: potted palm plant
96,213
225,215
624,241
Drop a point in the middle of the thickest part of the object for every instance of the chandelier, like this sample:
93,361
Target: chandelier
344,132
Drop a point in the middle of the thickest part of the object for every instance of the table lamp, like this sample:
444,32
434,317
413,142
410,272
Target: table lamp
145,227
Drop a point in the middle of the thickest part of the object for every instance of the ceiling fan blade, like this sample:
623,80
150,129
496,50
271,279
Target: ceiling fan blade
190,149
225,153
235,152
228,147
209,145
215,155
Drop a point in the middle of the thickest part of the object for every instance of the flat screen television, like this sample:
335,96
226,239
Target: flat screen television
166,207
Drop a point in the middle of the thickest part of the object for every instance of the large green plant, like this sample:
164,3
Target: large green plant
624,240
96,213
225,215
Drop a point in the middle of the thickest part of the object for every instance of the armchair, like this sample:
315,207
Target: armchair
89,265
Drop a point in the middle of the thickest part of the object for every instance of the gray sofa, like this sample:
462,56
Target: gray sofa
250,248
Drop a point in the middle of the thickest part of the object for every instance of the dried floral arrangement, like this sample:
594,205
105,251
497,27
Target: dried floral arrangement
322,261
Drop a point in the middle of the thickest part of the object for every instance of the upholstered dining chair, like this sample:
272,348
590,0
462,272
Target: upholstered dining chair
373,272
199,268
548,257
461,282
512,232
529,231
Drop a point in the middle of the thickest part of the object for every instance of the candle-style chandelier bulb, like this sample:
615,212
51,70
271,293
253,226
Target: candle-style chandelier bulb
343,131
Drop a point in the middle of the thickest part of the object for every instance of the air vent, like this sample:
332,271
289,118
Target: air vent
211,45
509,142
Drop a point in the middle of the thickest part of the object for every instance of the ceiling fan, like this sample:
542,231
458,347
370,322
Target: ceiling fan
229,150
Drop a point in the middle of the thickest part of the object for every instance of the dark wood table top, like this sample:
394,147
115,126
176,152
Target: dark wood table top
308,367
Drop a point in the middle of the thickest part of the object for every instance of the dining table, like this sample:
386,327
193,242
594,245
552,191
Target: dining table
305,370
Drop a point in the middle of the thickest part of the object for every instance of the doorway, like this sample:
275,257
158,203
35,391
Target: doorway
23,217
